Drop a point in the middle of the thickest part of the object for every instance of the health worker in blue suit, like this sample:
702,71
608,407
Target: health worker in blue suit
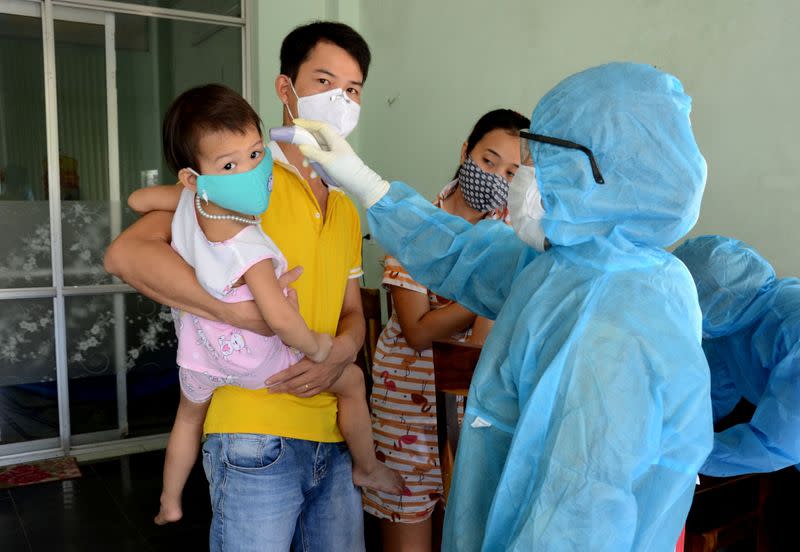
589,412
751,327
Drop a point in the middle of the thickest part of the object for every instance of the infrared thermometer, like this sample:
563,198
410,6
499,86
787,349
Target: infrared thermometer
297,135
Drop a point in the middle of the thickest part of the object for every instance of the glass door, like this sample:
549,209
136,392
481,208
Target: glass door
84,360
31,414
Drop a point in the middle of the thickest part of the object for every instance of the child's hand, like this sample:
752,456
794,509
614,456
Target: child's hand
324,344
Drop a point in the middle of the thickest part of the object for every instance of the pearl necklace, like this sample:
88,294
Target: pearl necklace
235,218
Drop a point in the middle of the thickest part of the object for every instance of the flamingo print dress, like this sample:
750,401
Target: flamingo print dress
403,405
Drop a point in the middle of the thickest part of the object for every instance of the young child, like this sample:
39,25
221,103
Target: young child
212,139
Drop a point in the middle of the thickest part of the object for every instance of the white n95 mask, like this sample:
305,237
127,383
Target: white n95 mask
332,106
525,207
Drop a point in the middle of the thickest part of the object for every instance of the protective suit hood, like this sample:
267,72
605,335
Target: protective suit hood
635,119
731,277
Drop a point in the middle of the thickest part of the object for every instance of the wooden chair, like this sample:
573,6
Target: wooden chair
453,366
371,304
729,511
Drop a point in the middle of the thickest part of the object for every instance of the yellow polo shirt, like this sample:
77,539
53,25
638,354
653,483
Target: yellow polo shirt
329,250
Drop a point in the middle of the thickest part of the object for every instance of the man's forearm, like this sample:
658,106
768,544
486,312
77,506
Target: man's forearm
307,378
350,336
142,257
170,282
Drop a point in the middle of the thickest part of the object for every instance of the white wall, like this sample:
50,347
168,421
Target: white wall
438,65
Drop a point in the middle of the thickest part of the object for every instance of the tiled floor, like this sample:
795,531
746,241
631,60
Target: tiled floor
110,508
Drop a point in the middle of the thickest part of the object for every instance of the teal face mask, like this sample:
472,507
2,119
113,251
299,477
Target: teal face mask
246,192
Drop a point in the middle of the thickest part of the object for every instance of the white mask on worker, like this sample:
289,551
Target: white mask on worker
525,207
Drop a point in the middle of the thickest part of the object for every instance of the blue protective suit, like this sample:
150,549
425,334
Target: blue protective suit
751,324
593,378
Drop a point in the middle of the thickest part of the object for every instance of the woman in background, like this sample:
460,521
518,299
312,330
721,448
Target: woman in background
403,397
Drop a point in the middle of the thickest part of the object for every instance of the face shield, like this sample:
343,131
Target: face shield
525,153
525,206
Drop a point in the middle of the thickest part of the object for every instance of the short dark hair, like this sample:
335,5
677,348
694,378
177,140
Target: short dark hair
502,119
207,108
298,45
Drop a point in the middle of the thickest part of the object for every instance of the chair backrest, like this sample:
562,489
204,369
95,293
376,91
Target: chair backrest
453,366
371,305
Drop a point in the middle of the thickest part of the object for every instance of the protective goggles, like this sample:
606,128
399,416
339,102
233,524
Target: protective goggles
526,157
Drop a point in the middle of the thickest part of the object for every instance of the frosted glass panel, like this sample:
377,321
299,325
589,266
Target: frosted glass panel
24,212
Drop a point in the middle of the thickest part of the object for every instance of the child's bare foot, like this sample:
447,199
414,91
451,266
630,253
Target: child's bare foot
170,511
380,478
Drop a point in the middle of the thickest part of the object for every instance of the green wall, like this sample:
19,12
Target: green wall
438,65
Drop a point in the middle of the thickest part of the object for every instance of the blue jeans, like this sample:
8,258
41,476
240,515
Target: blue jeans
269,492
